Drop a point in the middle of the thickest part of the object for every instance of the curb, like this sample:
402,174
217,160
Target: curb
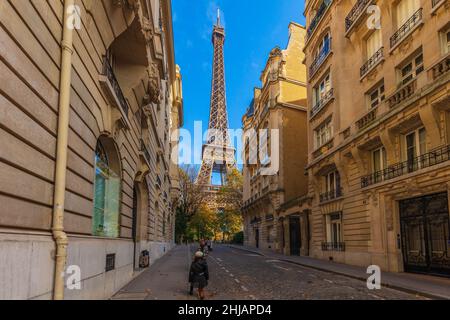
387,285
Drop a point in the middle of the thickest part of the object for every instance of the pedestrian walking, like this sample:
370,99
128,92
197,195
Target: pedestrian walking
199,275
209,244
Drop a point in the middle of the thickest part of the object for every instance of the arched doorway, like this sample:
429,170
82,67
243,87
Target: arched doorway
140,222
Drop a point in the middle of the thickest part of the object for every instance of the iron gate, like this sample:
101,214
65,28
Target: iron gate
425,228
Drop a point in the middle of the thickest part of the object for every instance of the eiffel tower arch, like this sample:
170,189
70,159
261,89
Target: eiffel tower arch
218,155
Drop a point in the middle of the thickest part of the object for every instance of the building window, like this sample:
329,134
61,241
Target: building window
322,89
323,134
445,41
373,43
332,182
334,229
415,144
411,69
105,221
405,10
379,159
376,96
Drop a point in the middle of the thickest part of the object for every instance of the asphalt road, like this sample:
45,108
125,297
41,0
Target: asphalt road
239,275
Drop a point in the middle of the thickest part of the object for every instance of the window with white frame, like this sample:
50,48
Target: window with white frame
379,159
376,96
322,89
324,45
411,69
415,144
334,229
323,134
332,182
405,10
374,43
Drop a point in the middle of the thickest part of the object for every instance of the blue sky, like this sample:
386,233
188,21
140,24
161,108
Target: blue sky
253,28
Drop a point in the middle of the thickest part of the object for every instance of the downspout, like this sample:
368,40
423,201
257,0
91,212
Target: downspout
59,235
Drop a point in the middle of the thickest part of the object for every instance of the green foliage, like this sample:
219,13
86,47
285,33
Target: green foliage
238,238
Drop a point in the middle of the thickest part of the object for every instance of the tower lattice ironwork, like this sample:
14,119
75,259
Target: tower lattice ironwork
218,154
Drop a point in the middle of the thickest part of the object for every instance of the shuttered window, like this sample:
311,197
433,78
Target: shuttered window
405,10
374,43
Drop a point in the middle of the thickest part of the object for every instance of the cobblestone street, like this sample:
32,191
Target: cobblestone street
239,275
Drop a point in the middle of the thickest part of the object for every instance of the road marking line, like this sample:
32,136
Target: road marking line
269,261
329,281
278,267
237,280
299,271
375,296
244,288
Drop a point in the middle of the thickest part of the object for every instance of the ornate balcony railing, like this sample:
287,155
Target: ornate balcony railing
440,68
402,94
331,195
372,62
324,148
412,22
367,119
333,246
315,21
434,3
109,74
321,57
146,152
427,160
357,11
322,102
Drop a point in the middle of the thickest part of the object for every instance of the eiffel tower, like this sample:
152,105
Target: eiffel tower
218,154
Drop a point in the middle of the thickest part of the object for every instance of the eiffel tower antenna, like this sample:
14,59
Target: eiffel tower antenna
218,155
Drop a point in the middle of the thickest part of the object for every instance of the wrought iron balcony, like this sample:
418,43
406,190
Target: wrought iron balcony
356,13
435,3
145,152
319,15
367,119
407,27
108,72
372,62
331,195
333,246
327,97
427,160
321,57
402,93
441,68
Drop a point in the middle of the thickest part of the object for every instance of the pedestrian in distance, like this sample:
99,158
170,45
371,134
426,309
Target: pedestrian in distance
199,275
209,244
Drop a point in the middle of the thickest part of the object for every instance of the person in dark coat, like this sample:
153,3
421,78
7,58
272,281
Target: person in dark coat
199,275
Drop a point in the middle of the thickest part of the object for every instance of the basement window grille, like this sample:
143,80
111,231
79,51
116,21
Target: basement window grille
110,262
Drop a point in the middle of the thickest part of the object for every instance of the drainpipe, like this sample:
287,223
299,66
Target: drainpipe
59,235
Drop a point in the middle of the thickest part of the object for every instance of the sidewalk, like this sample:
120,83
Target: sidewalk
428,286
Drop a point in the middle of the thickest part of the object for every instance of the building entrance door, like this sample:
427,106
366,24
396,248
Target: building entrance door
425,236
257,238
294,234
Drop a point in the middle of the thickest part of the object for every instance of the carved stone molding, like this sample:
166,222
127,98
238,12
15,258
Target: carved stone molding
388,202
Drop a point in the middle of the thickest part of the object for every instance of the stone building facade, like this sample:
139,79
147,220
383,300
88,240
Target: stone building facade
278,119
108,195
379,133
